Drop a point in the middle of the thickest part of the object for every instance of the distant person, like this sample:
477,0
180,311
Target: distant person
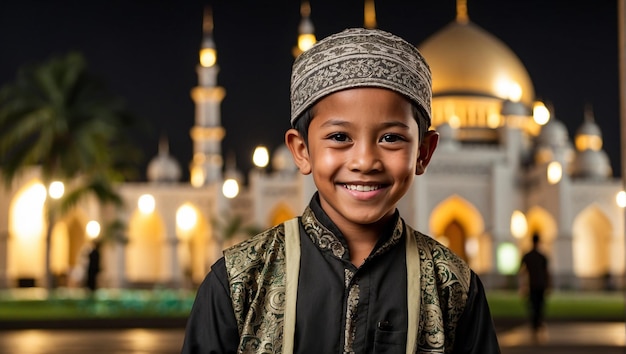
536,282
93,267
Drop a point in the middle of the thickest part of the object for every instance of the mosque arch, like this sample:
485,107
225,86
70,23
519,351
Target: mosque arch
27,227
146,248
458,224
68,249
197,247
281,213
591,246
539,221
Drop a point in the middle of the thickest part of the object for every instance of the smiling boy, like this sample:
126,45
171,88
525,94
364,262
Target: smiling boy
349,275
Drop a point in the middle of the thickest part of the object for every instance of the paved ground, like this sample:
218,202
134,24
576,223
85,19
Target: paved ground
560,338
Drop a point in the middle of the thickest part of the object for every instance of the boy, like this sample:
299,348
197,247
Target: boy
348,276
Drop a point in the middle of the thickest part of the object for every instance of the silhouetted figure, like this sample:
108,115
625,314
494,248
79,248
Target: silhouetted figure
93,266
535,266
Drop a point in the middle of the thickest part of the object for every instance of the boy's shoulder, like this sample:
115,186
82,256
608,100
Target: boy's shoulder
253,251
432,251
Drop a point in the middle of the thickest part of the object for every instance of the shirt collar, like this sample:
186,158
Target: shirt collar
328,238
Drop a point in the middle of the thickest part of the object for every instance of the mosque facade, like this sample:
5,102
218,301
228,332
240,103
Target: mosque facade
499,175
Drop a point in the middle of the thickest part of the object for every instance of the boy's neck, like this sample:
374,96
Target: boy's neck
362,239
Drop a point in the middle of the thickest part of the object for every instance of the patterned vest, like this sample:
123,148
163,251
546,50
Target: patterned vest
258,282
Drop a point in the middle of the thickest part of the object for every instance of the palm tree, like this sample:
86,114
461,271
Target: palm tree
58,116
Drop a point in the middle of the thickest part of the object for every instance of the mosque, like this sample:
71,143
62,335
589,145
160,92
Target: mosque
504,170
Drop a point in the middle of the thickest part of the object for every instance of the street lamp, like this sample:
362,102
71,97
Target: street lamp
261,156
92,229
555,172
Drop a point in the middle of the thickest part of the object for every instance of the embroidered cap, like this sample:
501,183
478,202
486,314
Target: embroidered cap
359,57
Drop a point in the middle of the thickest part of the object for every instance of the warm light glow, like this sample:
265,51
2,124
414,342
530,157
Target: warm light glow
306,41
186,217
541,114
146,204
93,229
230,188
588,142
515,92
620,199
197,176
369,18
509,89
208,57
555,172
493,120
519,224
508,258
261,156
471,247
27,221
454,122
56,190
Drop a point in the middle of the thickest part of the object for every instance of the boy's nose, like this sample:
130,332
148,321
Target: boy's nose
365,158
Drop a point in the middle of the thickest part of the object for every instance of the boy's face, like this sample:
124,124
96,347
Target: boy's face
363,152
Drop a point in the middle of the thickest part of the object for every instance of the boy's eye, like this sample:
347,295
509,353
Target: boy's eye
390,138
338,137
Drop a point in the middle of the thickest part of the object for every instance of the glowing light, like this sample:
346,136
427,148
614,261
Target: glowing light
588,142
519,224
27,219
208,57
508,258
186,217
56,190
93,229
620,199
230,188
306,41
454,122
261,156
515,92
146,204
471,247
555,172
541,114
493,120
509,89
197,176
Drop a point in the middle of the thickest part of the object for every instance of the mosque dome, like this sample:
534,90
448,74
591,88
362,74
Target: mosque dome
592,164
588,136
553,141
553,134
467,60
477,81
163,168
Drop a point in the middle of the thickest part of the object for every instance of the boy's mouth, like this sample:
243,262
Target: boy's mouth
362,187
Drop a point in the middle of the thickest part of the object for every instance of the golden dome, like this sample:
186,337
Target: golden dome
466,60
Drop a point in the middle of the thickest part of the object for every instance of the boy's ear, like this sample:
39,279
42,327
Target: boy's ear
296,144
427,147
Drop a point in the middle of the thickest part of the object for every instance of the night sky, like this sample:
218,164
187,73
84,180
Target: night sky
147,52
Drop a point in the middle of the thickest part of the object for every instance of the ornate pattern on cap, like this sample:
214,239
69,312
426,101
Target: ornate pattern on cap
359,57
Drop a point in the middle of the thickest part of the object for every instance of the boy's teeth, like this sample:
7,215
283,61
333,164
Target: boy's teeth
361,188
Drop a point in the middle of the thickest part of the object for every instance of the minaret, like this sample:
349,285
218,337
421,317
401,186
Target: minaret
369,14
207,133
306,31
461,11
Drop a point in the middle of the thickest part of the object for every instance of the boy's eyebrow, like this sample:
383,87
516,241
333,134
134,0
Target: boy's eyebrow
332,122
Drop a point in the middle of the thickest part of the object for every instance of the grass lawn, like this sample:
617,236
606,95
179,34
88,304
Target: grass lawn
561,305
25,304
